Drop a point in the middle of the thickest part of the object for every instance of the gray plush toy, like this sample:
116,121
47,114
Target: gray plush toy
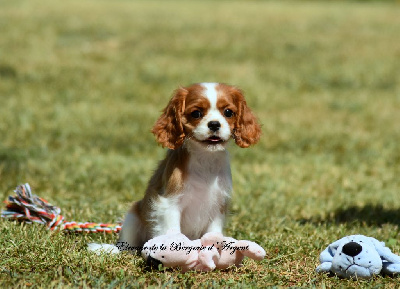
358,256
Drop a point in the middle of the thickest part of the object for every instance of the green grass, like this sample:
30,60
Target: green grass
82,82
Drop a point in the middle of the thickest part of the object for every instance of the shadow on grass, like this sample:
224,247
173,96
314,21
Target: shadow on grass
370,215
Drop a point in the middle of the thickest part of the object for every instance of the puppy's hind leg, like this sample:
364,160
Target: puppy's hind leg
132,235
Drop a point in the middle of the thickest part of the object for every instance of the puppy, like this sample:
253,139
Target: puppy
190,190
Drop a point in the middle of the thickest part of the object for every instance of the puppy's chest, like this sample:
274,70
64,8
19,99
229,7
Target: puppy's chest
206,188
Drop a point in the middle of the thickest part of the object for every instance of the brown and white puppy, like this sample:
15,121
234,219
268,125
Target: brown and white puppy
191,188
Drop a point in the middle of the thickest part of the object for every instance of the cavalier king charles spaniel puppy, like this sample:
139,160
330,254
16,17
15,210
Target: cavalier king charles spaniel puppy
190,190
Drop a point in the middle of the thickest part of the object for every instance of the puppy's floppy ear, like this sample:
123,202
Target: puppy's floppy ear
168,129
247,131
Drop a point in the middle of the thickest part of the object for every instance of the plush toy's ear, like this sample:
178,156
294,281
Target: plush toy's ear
326,257
330,251
385,252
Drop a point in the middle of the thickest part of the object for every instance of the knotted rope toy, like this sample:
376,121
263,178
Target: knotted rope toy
27,207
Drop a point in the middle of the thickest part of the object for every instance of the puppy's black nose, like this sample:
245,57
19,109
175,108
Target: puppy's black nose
352,249
214,125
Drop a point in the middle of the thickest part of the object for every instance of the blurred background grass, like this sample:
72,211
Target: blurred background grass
82,82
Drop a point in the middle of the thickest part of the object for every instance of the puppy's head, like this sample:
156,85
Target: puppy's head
207,115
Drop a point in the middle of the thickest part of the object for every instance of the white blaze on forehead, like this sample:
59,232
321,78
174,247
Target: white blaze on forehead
202,131
211,93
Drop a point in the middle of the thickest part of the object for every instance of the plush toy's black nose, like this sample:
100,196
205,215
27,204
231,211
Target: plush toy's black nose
352,249
152,263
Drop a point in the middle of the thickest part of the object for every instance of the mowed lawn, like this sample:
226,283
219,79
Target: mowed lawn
82,82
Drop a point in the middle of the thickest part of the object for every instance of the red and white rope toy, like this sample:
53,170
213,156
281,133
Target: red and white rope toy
27,207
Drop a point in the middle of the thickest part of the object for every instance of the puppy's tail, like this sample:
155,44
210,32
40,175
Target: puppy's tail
103,248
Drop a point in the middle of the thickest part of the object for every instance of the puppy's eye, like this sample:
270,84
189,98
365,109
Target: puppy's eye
196,114
228,113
